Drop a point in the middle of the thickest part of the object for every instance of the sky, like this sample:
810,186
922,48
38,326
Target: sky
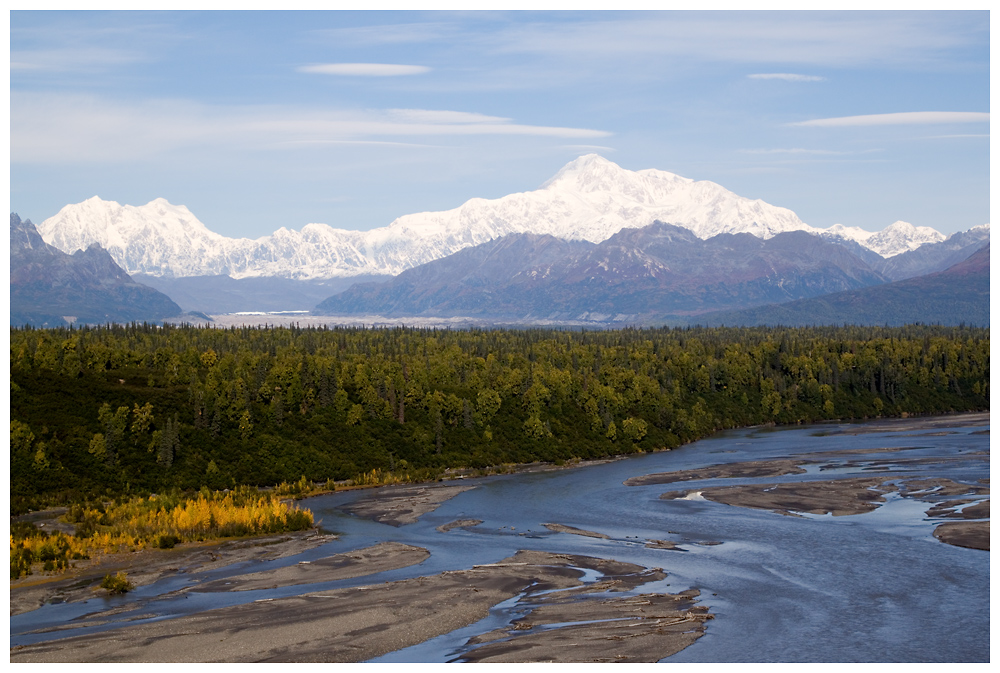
262,120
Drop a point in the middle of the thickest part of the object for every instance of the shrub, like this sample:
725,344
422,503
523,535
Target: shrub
167,541
20,561
117,583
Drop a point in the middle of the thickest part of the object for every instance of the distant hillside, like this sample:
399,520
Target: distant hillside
223,294
959,294
654,271
49,288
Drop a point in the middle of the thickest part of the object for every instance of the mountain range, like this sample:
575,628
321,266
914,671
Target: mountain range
589,199
959,294
49,288
596,243
658,270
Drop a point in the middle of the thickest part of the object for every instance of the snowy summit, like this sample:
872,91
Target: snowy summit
589,199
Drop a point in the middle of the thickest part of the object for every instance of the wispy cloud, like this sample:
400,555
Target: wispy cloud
70,59
444,117
373,143
396,33
905,39
793,150
364,69
908,39
588,148
786,76
53,128
898,118
959,135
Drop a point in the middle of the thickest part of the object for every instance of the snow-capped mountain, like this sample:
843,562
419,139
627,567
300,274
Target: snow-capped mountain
590,199
897,238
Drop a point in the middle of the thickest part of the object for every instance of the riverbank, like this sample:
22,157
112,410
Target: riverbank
402,504
82,581
599,518
360,623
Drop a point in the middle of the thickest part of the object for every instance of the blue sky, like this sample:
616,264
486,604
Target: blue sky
258,120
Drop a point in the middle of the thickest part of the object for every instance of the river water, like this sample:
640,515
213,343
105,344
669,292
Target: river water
870,587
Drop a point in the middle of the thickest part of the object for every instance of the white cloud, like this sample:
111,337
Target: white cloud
897,118
69,59
787,76
959,135
60,128
838,38
374,143
908,39
364,69
588,148
444,117
399,33
793,150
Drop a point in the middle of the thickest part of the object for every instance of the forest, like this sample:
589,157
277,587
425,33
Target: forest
122,411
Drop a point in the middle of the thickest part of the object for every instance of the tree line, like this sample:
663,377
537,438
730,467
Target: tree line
136,409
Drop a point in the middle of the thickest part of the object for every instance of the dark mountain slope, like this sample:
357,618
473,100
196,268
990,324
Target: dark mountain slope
493,278
50,288
960,294
659,270
666,270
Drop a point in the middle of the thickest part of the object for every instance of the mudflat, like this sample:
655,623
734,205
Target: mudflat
839,497
357,624
747,470
644,628
401,505
914,424
560,528
759,469
368,561
970,534
149,565
857,495
459,523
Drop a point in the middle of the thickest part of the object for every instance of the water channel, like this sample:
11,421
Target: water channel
868,587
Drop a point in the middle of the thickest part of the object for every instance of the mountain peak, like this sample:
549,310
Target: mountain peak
24,236
900,225
900,236
97,202
589,199
584,170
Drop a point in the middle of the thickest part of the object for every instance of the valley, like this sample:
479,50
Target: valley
407,337
632,569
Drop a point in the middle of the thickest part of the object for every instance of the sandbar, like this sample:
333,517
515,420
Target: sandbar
368,561
840,497
747,470
360,623
970,534
458,523
643,628
559,528
149,565
857,495
911,424
401,505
